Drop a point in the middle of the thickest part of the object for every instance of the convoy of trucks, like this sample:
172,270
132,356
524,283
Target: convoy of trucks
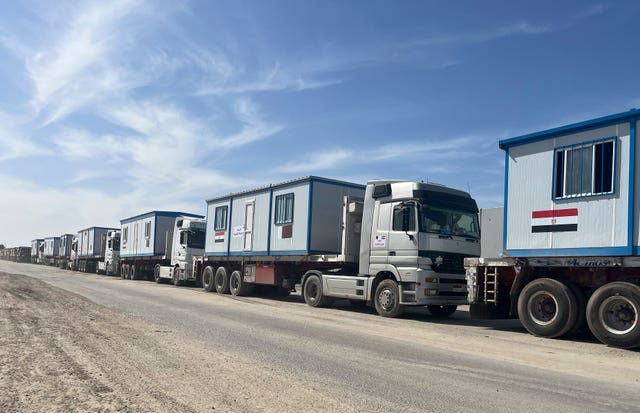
560,255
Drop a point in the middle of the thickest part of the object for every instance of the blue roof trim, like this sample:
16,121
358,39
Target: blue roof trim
160,214
294,182
572,128
571,252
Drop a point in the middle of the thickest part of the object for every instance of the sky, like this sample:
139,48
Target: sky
109,109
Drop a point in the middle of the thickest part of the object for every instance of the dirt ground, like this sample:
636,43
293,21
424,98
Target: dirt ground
60,352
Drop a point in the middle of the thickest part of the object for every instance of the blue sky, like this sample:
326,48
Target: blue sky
110,109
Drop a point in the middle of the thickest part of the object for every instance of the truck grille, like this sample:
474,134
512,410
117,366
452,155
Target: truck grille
446,262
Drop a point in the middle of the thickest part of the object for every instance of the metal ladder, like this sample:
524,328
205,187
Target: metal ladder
491,285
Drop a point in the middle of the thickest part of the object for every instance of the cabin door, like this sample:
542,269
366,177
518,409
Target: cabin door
249,209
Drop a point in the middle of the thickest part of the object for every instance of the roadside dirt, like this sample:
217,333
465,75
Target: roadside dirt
60,352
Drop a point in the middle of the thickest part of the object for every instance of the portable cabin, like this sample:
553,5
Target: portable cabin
51,247
298,217
573,190
92,242
66,241
149,234
35,245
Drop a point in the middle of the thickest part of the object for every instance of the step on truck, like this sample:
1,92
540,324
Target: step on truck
147,244
389,244
563,253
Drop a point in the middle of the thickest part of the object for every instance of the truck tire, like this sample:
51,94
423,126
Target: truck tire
613,314
442,311
312,292
221,280
124,271
237,286
176,277
581,306
547,308
156,274
133,272
387,299
208,279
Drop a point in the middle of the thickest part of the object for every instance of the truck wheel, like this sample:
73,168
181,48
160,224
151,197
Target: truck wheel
581,307
221,280
156,274
237,286
613,314
208,282
387,299
547,308
176,277
442,311
124,271
312,292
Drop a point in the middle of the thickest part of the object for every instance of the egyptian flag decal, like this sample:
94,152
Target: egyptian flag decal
558,220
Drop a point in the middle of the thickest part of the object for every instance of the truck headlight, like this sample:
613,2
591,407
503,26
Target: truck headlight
430,291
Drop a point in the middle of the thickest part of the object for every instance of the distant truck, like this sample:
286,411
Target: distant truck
110,265
51,247
89,248
64,251
389,244
147,240
569,247
16,254
37,247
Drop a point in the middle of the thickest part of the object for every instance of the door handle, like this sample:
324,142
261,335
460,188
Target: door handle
392,253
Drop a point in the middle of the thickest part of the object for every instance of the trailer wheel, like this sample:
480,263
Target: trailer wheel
221,280
237,286
442,311
312,292
124,270
613,314
156,274
133,273
208,282
547,308
581,307
387,299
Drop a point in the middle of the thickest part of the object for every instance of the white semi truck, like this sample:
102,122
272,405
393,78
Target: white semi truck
147,243
111,263
568,252
390,244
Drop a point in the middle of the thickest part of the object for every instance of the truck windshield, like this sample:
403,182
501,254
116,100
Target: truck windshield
448,221
196,239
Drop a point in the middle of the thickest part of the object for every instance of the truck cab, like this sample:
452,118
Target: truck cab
187,242
111,262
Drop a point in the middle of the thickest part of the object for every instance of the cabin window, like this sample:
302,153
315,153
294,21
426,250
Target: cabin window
220,222
284,209
406,213
147,233
584,169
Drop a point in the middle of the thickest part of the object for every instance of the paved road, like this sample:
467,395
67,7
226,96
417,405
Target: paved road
415,363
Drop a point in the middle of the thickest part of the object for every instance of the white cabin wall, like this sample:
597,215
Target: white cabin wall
602,220
298,240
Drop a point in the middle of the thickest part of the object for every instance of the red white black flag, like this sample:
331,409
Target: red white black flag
558,220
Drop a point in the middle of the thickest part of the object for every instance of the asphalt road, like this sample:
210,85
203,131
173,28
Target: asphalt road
415,363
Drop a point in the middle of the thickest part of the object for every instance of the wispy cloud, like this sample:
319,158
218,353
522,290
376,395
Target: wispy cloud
435,156
594,10
14,142
254,127
521,28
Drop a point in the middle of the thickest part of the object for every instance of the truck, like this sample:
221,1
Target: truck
16,254
51,247
64,252
89,248
389,244
147,243
567,254
37,245
111,263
